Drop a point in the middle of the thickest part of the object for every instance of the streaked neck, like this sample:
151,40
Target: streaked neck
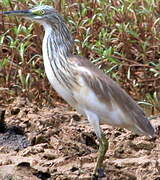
58,41
57,49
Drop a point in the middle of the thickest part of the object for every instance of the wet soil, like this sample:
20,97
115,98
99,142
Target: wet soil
57,143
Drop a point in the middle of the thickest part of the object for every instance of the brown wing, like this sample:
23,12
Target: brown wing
108,91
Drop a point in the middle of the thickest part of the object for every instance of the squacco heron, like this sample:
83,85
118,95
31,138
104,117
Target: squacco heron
79,82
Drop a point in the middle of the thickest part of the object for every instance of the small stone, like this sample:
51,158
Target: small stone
42,175
117,134
132,136
23,164
40,139
15,111
76,117
48,154
118,152
73,169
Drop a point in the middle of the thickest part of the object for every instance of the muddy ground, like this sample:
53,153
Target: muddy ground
57,143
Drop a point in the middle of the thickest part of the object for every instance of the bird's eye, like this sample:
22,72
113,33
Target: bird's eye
39,12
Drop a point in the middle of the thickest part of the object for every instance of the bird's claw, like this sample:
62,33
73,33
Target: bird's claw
100,173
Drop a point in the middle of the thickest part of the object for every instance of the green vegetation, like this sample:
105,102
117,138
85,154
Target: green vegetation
121,36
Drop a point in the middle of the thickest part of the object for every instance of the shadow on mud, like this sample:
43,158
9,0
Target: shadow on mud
12,137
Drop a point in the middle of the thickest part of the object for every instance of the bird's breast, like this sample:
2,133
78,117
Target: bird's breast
63,91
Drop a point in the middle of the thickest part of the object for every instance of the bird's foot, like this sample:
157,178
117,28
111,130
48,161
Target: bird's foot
100,173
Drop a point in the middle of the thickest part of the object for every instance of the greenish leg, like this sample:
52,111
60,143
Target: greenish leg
103,146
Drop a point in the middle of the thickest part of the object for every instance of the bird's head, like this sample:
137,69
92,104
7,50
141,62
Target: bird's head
51,20
42,14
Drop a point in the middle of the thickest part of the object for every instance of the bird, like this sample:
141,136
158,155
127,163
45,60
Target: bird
82,85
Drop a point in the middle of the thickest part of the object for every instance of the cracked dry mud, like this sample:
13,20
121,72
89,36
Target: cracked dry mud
57,143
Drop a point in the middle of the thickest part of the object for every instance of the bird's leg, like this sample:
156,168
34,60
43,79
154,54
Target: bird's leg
103,142
103,146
